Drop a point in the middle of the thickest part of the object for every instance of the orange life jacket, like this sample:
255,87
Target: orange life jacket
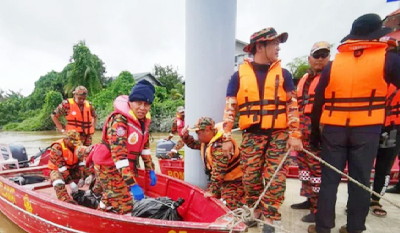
393,106
77,120
70,158
234,170
268,110
356,93
306,92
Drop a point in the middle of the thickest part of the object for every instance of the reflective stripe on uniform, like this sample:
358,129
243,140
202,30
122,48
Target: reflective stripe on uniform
122,163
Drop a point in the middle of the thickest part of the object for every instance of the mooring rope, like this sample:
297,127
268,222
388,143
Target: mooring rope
246,214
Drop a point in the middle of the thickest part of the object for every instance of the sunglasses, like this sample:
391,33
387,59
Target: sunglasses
320,55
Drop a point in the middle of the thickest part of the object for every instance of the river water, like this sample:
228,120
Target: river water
33,142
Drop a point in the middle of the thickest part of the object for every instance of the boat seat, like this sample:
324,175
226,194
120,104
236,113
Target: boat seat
6,152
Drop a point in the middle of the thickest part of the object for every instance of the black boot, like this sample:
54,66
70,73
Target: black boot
394,189
302,206
308,218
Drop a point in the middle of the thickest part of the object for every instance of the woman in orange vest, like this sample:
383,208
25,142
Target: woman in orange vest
66,165
224,172
79,114
350,108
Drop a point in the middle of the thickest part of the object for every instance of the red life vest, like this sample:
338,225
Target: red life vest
356,93
180,123
70,158
268,110
77,120
136,137
306,92
393,106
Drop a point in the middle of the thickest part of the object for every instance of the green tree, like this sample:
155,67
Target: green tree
85,69
170,79
103,101
298,67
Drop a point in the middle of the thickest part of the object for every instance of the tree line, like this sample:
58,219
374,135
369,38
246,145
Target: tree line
32,113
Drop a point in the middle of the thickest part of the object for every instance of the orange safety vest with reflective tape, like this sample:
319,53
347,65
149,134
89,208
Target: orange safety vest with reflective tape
393,106
356,93
78,120
234,170
70,158
268,110
306,92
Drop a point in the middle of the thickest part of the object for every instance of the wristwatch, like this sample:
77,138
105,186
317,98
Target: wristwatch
62,131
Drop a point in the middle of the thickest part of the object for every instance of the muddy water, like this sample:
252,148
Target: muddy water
33,142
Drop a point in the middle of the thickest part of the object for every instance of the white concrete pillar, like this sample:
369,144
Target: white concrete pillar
210,46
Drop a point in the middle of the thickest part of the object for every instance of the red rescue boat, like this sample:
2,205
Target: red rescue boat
35,208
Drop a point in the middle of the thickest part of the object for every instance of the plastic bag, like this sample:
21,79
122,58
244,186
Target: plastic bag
88,199
158,208
27,179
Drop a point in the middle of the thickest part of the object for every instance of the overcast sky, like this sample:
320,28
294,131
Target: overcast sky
37,36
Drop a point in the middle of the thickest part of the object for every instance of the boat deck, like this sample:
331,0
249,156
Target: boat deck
291,218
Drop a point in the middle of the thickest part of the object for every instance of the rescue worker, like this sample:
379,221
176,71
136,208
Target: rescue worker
389,145
66,165
265,96
310,168
350,105
225,173
79,114
177,126
125,138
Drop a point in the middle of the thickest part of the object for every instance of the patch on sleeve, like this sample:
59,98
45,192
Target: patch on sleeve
121,131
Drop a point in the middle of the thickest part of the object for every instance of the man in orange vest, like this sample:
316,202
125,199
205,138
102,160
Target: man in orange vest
66,165
125,138
350,109
225,173
265,96
79,114
389,146
177,126
310,168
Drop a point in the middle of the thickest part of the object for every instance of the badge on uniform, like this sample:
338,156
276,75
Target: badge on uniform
133,138
121,131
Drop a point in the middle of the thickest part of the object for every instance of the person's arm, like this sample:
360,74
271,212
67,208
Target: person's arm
117,136
56,158
146,156
319,102
174,129
392,68
292,111
191,142
61,110
94,115
230,106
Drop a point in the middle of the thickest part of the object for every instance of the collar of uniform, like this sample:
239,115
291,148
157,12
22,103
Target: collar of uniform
260,67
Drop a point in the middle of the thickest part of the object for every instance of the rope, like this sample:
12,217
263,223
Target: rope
246,214
350,179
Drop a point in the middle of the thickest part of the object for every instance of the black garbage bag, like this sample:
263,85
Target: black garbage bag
158,208
27,179
85,198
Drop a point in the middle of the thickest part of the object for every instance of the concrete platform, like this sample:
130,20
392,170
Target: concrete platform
292,223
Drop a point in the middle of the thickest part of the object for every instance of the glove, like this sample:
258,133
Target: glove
89,179
153,178
81,183
137,192
315,139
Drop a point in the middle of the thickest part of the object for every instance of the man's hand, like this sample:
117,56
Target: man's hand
294,144
227,148
185,131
